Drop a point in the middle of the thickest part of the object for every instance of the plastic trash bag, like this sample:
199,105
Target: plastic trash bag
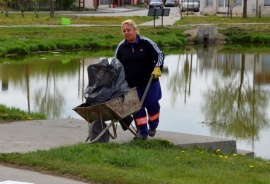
106,81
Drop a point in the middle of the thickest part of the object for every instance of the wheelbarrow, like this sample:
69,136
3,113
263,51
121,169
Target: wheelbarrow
114,110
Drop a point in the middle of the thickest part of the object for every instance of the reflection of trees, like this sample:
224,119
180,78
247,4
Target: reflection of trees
236,108
27,72
181,80
175,83
50,100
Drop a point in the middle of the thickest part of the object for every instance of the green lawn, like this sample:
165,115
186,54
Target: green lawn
143,162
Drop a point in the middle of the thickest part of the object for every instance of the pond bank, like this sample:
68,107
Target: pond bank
18,136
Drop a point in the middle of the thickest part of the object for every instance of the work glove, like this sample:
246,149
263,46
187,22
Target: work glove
156,72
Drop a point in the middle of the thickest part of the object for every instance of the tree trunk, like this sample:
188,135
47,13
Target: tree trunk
245,9
22,12
36,3
257,4
180,10
51,9
6,11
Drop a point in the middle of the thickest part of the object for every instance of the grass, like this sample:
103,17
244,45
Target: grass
14,114
139,162
25,40
224,20
237,30
45,19
104,32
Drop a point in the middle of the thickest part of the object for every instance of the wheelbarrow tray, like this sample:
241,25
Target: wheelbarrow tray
115,109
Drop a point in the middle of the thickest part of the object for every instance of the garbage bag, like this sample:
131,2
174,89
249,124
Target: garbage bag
126,122
106,81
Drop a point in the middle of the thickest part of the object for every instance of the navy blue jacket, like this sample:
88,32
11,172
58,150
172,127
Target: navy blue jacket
139,60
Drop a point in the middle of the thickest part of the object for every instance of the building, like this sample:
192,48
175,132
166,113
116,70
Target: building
221,7
206,6
96,4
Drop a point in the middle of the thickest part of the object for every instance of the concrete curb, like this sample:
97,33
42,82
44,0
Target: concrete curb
46,134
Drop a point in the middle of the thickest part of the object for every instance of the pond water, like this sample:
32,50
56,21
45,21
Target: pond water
206,91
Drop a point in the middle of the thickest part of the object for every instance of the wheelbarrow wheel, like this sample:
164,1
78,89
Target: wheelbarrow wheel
95,128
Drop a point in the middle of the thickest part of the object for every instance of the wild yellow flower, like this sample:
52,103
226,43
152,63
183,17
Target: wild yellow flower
183,151
251,166
220,156
243,154
225,156
218,151
234,155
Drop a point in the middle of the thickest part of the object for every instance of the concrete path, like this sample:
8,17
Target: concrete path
45,134
18,176
174,14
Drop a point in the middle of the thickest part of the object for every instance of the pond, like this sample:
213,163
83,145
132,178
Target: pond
206,91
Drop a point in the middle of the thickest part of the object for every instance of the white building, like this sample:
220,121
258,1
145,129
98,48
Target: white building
206,6
221,6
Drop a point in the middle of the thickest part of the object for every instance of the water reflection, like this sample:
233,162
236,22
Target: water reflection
235,105
205,91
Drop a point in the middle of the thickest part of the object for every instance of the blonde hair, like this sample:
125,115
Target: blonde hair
132,24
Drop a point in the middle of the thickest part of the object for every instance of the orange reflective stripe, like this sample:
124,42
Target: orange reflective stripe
141,121
154,117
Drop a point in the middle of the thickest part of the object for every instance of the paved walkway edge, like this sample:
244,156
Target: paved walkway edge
45,134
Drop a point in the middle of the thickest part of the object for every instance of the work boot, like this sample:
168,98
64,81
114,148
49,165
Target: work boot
152,132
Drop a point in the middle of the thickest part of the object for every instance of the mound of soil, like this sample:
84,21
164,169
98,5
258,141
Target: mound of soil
191,36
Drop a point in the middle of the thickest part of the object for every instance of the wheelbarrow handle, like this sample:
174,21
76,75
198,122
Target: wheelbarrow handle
147,88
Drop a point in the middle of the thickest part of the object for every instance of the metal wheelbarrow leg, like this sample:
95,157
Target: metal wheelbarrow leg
99,132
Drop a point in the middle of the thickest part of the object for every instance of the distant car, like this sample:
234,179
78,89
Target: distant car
170,3
156,4
190,5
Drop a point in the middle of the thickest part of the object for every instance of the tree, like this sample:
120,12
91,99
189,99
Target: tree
51,8
5,4
21,4
245,9
35,4
180,9
231,4
257,8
